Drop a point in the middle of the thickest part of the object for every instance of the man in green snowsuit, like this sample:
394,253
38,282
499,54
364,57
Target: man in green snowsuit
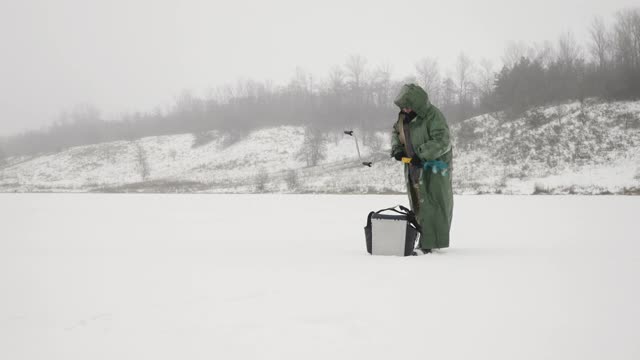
422,134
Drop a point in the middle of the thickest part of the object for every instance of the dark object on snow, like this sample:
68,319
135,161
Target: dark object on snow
369,163
391,234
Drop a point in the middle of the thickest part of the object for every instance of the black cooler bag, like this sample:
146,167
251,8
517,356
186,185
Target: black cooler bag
392,233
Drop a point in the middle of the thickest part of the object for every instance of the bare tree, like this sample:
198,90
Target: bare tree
463,76
428,74
448,92
292,180
542,52
223,94
141,161
627,38
185,102
356,67
261,180
84,113
514,52
600,42
569,50
486,77
336,80
381,85
314,146
302,81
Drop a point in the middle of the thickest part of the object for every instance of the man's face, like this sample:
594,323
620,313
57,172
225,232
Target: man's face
406,110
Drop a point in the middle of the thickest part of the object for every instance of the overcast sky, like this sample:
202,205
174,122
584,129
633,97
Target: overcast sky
127,55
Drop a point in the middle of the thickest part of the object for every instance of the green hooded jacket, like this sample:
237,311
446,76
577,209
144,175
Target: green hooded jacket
432,197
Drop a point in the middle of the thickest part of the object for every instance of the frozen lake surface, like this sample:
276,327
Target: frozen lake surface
287,277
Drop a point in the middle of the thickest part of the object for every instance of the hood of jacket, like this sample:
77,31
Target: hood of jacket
414,97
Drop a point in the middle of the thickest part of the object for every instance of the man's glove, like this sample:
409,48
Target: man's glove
399,156
416,162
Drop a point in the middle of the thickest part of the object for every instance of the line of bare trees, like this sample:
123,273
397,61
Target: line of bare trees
354,95
360,95
607,67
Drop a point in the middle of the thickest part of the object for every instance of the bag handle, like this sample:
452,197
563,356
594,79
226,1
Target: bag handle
411,216
404,211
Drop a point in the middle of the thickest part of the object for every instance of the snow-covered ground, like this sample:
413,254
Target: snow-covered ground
91,276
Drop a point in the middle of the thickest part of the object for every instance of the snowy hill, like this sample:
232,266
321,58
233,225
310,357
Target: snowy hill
221,164
587,148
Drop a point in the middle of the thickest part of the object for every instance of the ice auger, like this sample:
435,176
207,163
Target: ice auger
350,133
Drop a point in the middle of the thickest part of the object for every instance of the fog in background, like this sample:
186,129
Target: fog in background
127,56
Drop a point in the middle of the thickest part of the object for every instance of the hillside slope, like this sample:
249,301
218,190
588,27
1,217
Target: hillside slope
220,164
571,148
589,148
